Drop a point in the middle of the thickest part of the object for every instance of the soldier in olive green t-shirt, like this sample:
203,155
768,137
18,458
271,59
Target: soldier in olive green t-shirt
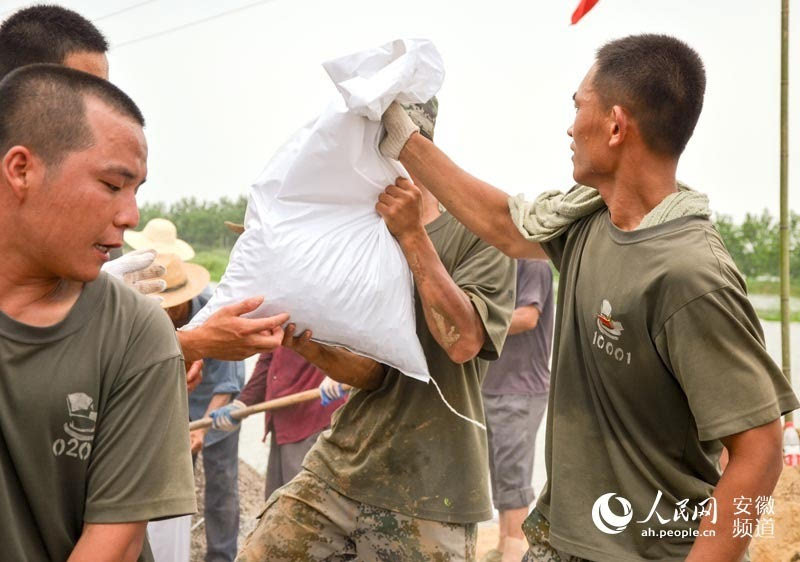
658,356
413,441
399,476
396,456
93,406
646,388
94,419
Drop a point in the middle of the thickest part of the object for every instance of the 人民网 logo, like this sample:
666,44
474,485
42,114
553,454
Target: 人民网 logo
607,325
605,519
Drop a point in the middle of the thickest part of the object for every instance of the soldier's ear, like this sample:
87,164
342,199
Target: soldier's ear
618,124
19,171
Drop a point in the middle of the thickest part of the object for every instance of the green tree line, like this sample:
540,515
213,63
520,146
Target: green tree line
753,242
200,223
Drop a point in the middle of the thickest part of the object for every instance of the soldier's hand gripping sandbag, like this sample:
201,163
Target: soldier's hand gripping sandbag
399,128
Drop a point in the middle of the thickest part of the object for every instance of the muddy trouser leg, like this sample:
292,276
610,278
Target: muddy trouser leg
537,531
308,520
305,520
385,535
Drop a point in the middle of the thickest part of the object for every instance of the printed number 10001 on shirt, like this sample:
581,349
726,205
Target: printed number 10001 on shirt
616,352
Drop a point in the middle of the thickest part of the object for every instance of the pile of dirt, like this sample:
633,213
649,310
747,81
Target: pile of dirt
251,502
785,545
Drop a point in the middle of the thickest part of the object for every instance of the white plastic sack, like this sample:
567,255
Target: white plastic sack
170,539
314,245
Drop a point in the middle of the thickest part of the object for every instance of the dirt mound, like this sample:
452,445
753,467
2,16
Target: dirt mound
251,502
785,545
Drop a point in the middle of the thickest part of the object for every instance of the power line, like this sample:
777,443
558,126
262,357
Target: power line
101,18
123,10
188,24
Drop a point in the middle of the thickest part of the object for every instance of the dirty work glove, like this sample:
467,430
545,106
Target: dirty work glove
399,128
136,269
330,391
221,417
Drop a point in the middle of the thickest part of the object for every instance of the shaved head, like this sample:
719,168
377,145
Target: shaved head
47,33
44,109
660,80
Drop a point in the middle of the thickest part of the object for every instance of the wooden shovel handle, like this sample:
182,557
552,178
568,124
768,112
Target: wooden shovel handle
275,404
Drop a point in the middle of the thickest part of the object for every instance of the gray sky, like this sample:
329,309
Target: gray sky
220,96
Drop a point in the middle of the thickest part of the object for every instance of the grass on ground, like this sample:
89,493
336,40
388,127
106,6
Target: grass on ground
771,315
771,287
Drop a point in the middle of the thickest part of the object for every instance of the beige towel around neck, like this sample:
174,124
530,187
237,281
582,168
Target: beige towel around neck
551,213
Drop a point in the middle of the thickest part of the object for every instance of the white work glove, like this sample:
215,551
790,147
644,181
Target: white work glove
221,417
136,269
330,391
399,128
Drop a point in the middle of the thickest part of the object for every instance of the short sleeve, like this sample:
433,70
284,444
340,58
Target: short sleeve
715,348
534,283
140,466
227,376
489,279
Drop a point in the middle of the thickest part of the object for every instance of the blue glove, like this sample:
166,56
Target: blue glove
330,391
222,419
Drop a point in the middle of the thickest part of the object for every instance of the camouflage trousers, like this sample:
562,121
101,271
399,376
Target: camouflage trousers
308,520
537,531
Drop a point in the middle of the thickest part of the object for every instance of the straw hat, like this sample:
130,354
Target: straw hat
161,236
184,280
235,227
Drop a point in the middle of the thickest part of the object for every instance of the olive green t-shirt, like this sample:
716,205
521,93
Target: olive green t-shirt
658,354
399,447
93,423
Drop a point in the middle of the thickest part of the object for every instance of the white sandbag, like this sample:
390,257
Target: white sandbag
170,539
314,246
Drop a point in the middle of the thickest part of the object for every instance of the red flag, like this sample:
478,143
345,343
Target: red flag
581,10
